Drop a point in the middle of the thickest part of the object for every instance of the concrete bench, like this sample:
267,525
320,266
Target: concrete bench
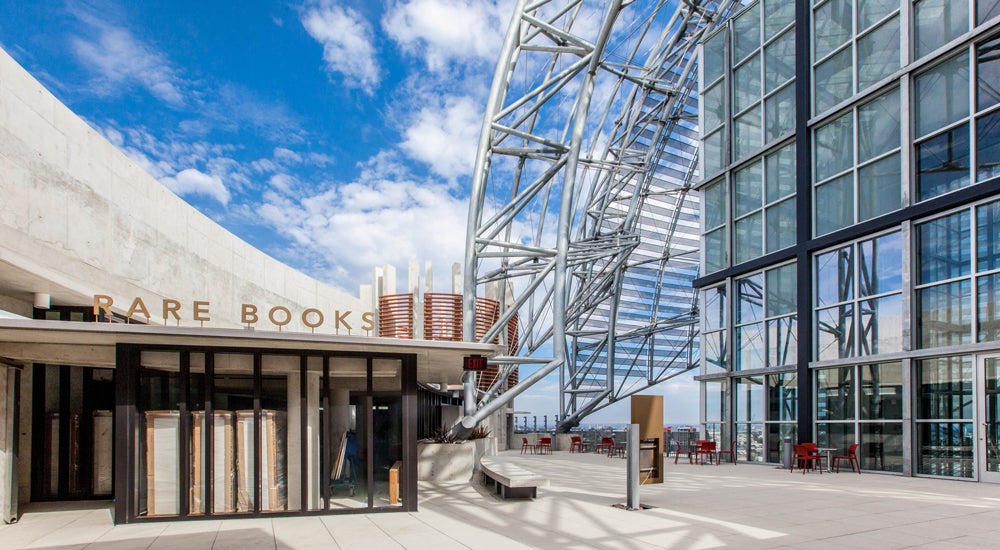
510,480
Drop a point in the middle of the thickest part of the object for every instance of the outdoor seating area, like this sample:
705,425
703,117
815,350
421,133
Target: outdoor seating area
810,456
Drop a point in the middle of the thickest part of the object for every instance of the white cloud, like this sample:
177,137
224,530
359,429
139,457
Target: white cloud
445,136
384,216
120,59
446,31
348,44
192,181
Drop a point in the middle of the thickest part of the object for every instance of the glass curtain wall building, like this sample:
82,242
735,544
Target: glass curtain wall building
850,288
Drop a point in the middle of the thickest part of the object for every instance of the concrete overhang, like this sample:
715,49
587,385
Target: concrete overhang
25,341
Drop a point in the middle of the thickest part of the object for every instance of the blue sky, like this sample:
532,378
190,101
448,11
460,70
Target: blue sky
333,135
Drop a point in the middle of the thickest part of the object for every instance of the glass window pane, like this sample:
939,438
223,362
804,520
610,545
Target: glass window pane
944,387
776,433
835,394
778,14
714,60
750,347
835,276
780,173
749,238
831,27
747,184
746,134
986,9
834,147
781,288
158,458
872,11
936,22
945,314
944,449
714,152
714,308
879,188
834,82
750,296
878,126
783,341
273,430
988,146
988,236
715,204
746,33
882,391
988,308
835,204
746,84
779,61
713,103
715,250
943,163
878,54
714,398
780,113
835,332
988,74
750,399
881,447
942,95
714,351
783,397
881,325
781,225
881,265
945,248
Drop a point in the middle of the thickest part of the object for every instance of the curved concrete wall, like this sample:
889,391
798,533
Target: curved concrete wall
78,218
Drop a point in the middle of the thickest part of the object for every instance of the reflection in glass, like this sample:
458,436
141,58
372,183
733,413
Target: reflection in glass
750,442
715,205
944,247
749,237
780,113
872,11
779,61
746,33
778,14
750,347
831,26
746,134
835,332
878,126
835,394
945,388
715,250
878,54
780,172
988,308
833,80
835,204
714,308
714,152
945,314
747,187
749,399
881,325
714,349
783,397
715,57
945,449
991,421
881,447
750,298
781,225
838,435
881,265
835,276
159,441
988,236
936,22
986,9
988,146
834,147
942,94
988,73
713,102
782,337
775,439
882,391
714,399
879,188
781,297
943,162
273,431
746,84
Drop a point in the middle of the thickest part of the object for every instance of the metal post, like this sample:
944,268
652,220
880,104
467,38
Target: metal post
632,446
786,456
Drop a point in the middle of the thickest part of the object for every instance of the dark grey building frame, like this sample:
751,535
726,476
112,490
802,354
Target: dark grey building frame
127,423
805,244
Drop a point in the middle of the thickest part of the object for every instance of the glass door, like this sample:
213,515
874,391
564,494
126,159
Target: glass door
988,446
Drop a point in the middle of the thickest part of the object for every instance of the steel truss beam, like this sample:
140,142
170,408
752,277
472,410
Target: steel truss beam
581,198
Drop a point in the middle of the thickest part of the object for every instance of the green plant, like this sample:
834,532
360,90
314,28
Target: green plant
442,436
479,433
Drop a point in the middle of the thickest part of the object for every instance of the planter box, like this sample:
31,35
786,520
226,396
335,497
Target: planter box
445,461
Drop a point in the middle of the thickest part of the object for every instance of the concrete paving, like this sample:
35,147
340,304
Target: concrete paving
744,506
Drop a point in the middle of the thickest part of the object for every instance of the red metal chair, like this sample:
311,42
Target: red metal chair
852,457
681,451
606,445
806,456
525,446
576,444
731,452
704,449
544,445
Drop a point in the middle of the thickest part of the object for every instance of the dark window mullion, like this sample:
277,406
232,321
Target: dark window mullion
370,436
257,390
64,426
327,434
